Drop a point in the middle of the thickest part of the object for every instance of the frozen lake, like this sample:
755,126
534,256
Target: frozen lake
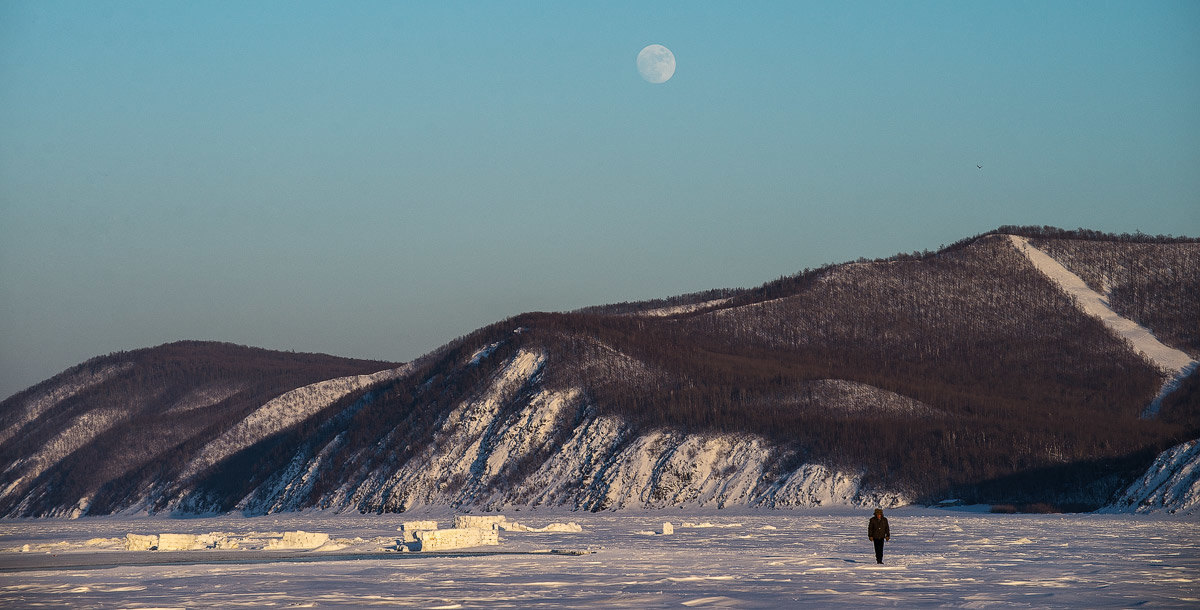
743,559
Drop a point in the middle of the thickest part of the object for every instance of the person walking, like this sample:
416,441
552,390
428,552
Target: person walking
878,531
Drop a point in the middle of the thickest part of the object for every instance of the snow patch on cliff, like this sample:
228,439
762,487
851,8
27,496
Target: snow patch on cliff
206,396
1171,484
482,353
675,310
663,468
604,466
814,485
518,443
438,473
572,473
529,431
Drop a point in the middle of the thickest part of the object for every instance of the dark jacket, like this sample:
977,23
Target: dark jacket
877,528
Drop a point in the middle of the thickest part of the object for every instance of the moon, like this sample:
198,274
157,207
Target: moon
656,63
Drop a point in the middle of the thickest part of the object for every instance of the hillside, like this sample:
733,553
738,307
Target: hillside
92,438
971,372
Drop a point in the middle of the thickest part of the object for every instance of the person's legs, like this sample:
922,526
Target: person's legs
879,550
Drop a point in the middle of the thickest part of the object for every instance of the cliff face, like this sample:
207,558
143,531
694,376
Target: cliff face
517,443
1171,484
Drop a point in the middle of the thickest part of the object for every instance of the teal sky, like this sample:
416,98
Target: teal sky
376,179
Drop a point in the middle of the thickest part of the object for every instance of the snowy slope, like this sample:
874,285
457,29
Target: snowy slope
280,413
1171,484
129,430
496,450
70,385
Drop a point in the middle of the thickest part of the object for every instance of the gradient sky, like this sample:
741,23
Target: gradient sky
376,179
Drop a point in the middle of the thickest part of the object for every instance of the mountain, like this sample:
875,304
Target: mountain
1025,365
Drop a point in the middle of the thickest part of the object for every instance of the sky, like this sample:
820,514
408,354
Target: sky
375,179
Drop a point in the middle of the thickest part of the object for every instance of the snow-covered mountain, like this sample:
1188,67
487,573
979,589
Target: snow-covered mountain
1020,366
500,448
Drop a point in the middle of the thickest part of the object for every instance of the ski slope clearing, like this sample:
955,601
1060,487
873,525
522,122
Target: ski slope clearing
1168,359
1174,363
738,559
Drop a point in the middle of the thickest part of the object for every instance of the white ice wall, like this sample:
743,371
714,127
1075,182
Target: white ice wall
457,538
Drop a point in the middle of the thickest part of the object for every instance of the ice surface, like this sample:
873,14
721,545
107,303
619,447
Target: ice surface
513,526
817,559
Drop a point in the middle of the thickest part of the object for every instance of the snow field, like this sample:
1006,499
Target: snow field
747,559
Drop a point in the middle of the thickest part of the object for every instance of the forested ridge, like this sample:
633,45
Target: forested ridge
961,372
1016,379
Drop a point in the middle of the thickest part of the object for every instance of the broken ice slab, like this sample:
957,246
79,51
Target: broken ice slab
408,529
140,542
298,540
513,526
176,542
456,538
481,522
